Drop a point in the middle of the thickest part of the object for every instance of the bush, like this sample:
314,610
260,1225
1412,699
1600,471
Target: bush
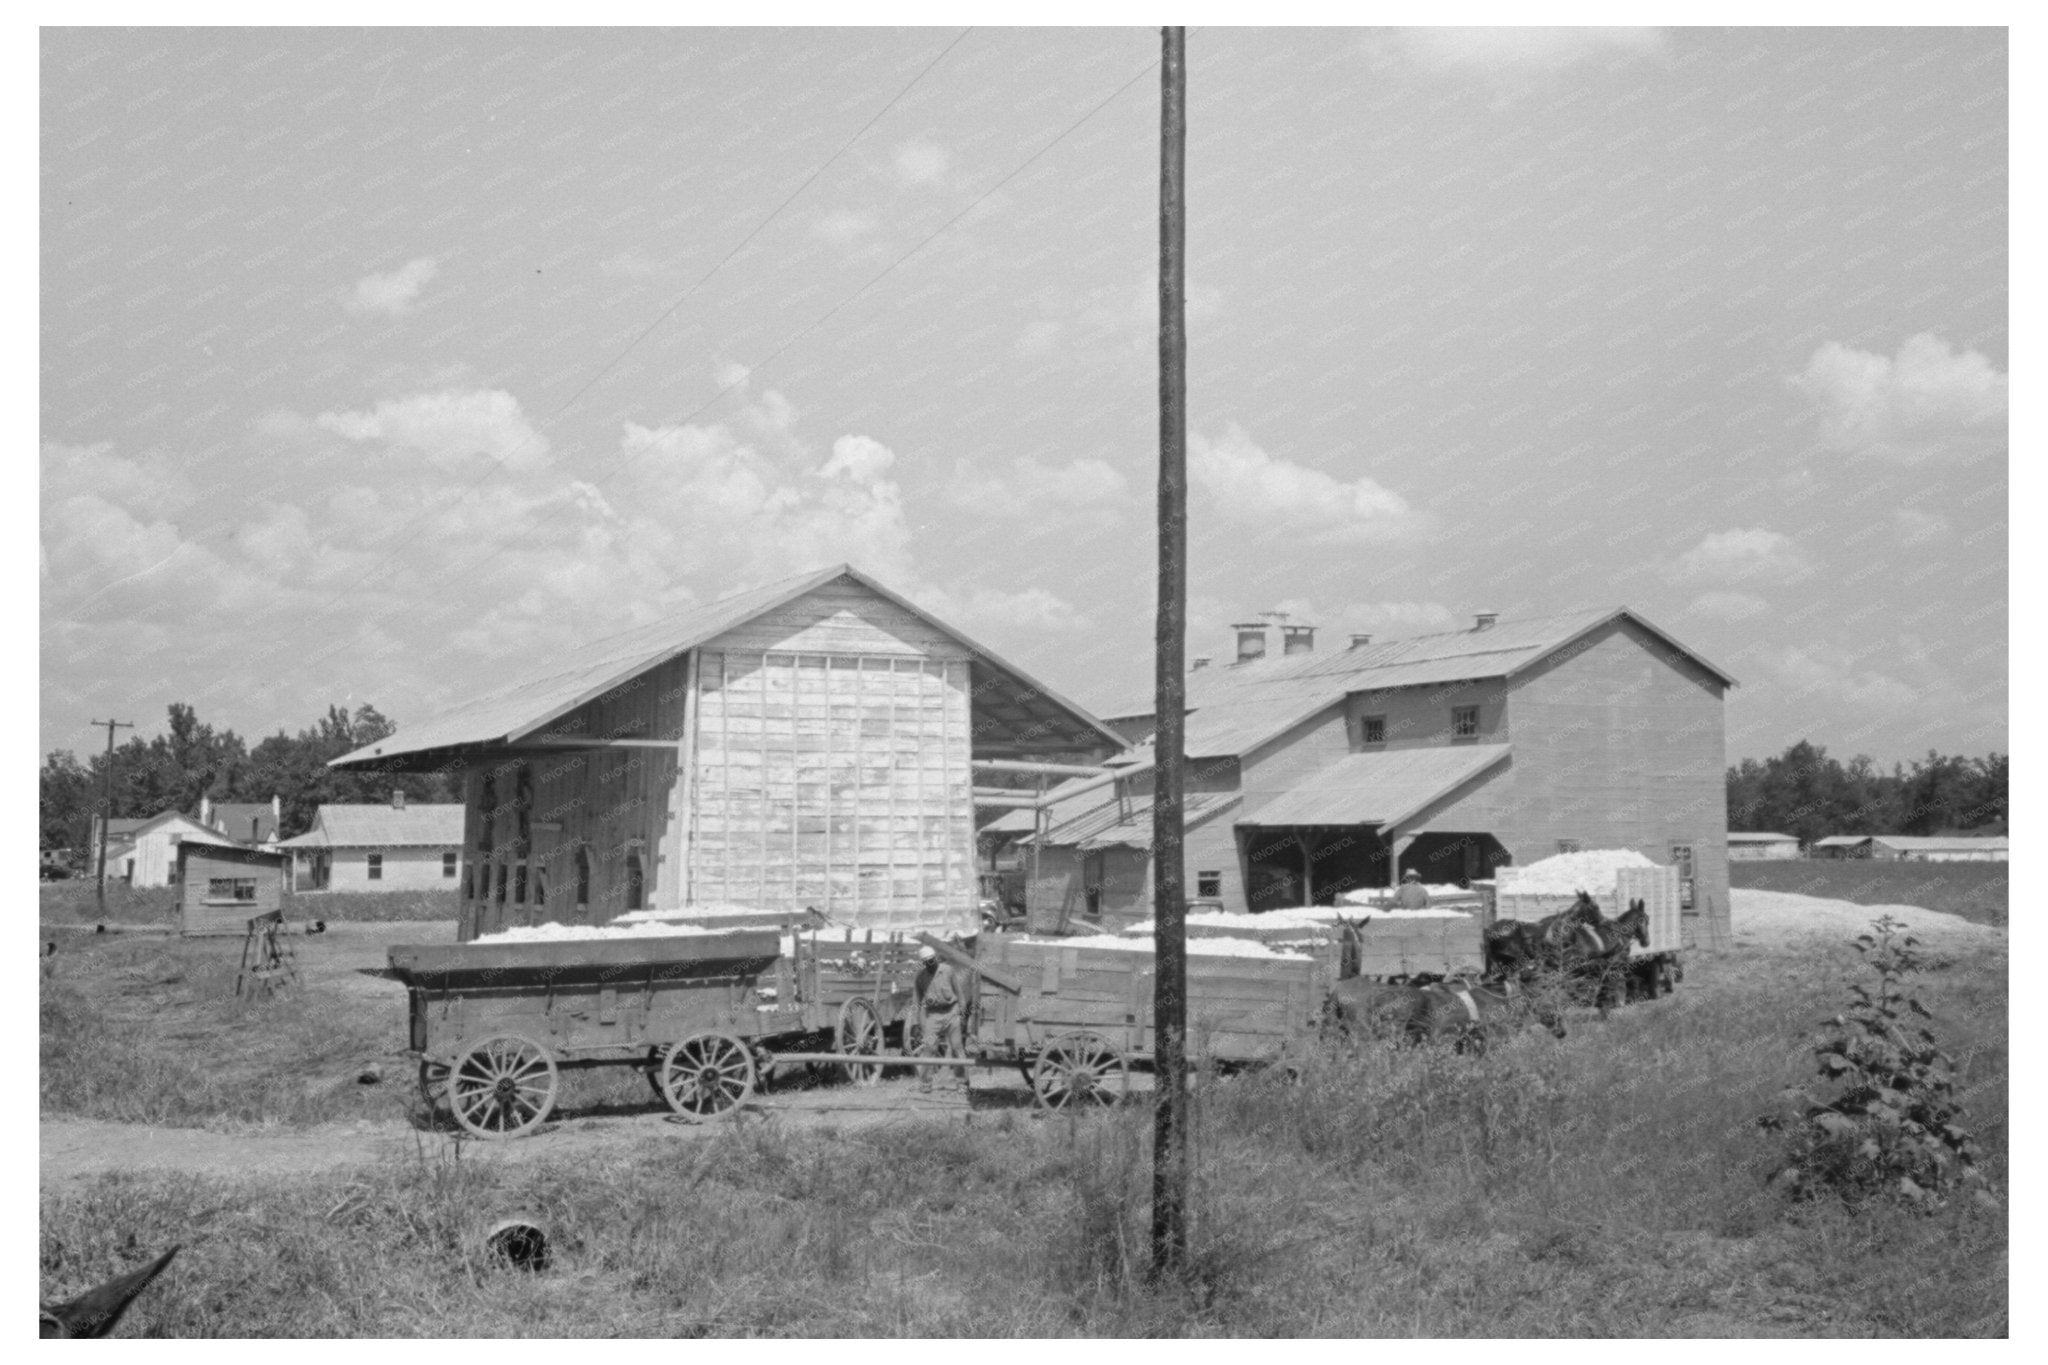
1893,1129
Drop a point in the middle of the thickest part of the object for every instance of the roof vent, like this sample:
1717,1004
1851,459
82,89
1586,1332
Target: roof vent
1360,641
1485,620
1251,641
1297,639
1201,661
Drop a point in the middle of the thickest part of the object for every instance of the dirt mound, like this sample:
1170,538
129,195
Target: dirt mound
1772,917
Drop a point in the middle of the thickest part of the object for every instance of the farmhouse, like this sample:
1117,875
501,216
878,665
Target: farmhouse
1755,847
809,743
376,847
147,855
1314,773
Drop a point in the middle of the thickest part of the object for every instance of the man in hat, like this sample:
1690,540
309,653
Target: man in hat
941,1014
1411,896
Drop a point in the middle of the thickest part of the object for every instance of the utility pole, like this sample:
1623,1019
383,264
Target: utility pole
1169,900
106,809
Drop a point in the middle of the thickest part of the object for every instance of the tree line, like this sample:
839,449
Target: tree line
193,760
1805,792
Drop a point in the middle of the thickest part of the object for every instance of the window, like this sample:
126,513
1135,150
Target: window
376,866
1209,885
582,878
1681,858
540,886
519,884
1464,722
1567,845
1373,730
501,884
231,888
469,883
636,885
448,864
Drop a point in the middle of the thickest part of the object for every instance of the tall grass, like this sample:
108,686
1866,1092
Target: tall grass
73,902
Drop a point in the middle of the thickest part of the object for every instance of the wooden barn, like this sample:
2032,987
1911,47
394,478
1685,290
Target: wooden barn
221,888
1313,773
809,743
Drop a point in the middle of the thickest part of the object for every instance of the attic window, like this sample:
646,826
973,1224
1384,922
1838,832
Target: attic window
1372,730
1464,722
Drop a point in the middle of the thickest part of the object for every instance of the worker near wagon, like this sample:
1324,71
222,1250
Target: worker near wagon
941,998
1412,895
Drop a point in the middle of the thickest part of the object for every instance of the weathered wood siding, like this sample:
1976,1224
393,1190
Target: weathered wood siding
153,860
205,907
1618,743
1420,717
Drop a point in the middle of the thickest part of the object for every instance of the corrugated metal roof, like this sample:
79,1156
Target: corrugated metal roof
1127,824
1235,708
1751,837
601,665
1382,789
1915,843
383,826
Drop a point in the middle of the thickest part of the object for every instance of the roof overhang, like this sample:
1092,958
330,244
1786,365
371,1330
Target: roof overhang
1385,790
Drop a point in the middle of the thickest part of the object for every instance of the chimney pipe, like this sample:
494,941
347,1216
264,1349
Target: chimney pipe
398,800
1485,620
1360,641
1295,639
1251,641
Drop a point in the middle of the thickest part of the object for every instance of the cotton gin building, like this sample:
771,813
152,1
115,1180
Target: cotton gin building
808,744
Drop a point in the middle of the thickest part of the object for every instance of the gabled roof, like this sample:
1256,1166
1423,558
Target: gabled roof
138,828
1002,692
1751,837
1842,840
1098,820
1383,788
232,819
1236,708
381,825
1918,843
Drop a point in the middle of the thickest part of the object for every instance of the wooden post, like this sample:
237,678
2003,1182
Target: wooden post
1169,903
107,809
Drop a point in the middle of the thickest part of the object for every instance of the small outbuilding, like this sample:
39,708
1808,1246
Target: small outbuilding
1957,848
1748,847
223,887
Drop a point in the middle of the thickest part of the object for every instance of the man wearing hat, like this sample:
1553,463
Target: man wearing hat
1411,896
941,1013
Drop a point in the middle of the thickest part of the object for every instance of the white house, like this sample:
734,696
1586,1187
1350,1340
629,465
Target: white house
394,847
147,855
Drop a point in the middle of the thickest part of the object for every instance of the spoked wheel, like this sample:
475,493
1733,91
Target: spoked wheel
503,1086
707,1074
1079,1070
860,1034
433,1083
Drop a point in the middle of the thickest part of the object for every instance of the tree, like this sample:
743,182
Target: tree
66,801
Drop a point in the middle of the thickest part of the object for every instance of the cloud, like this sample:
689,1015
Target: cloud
1512,52
1728,606
1244,483
845,226
859,459
1029,488
920,163
1746,556
392,294
1824,671
1110,324
454,429
991,614
1916,527
1926,402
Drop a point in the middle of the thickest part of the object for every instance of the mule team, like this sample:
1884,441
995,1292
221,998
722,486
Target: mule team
1533,970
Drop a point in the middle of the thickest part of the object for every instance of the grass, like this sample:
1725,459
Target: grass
1610,1184
1977,892
73,902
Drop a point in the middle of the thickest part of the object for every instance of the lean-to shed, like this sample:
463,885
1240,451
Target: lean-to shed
221,888
806,744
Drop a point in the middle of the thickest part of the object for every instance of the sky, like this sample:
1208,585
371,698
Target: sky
388,366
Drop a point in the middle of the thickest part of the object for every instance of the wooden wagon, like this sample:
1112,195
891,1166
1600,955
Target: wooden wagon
1653,969
493,1025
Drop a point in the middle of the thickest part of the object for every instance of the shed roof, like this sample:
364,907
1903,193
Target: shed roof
1913,843
381,825
1383,788
1038,717
1751,837
1236,708
1841,840
1113,823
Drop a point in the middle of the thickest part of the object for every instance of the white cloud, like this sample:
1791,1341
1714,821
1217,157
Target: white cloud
1916,527
1728,606
991,614
1925,402
1111,324
1749,556
395,293
1245,483
920,163
1825,672
455,429
845,225
1514,51
859,458
1030,488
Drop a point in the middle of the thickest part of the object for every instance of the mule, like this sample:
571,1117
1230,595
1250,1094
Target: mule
94,1313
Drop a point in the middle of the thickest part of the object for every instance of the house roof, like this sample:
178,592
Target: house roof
1841,840
120,829
1383,788
1007,700
381,825
1099,821
138,828
232,819
1751,837
1911,843
1236,708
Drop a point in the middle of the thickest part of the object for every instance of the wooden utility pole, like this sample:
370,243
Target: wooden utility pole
1169,900
106,809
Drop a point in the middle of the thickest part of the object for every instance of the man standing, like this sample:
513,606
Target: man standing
1411,896
941,1013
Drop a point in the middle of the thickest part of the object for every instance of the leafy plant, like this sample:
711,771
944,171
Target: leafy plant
1892,1129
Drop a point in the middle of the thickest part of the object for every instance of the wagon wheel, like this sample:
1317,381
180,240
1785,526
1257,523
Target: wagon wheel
1079,1069
707,1074
860,1034
503,1086
433,1083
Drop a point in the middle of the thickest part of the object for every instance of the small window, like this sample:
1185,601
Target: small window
501,884
519,884
1373,730
448,861
1567,845
636,885
231,888
1209,885
1093,909
582,877
1464,722
1681,858
540,886
376,867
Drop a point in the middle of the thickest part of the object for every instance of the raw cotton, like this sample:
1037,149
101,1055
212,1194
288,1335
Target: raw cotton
1202,947
1566,874
1776,917
1369,895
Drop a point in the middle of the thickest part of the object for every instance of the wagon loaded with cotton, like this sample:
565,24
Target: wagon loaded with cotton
1615,879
